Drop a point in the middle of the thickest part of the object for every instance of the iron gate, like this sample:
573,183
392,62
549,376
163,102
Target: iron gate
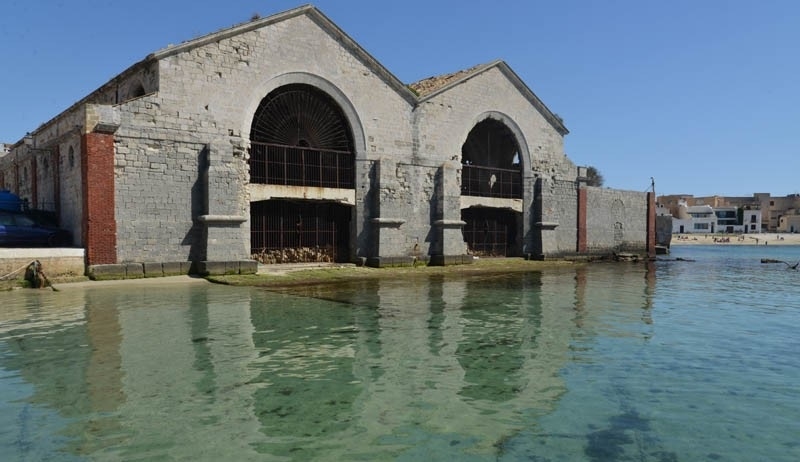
489,232
283,231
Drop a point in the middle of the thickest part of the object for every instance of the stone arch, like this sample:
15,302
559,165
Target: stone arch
618,215
347,108
512,127
301,116
618,210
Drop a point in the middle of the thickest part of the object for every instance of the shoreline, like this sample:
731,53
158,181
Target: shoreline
752,239
292,275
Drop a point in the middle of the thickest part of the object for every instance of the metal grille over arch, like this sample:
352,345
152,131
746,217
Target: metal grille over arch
490,159
300,137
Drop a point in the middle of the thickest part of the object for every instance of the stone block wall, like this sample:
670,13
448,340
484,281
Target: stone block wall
616,220
70,193
404,224
159,192
55,151
556,217
209,94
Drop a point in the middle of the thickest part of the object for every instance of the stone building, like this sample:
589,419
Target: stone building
282,139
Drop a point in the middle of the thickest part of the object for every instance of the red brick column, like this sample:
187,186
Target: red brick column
582,220
99,223
651,225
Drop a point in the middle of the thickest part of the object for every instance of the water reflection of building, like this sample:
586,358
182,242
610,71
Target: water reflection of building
413,370
451,365
186,375
134,376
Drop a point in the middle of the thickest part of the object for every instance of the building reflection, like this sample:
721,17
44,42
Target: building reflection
186,375
459,363
348,371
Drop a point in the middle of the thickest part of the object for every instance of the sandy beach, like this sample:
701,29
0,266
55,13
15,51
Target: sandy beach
736,239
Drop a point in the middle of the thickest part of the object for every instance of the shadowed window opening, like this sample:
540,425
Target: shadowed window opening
490,161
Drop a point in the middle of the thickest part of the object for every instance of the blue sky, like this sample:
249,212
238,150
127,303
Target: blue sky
701,95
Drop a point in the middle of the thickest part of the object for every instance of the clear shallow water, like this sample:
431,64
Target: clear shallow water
676,361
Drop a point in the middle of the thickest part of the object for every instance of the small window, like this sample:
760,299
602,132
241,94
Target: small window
71,157
771,203
137,91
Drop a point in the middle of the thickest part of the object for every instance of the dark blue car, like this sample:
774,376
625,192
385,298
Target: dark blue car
20,230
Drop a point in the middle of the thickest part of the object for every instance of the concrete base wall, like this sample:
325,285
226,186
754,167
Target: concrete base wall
55,262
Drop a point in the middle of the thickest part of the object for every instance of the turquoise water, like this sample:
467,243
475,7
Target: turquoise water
671,361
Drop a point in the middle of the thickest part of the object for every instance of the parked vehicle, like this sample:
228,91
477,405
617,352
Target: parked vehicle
10,202
21,230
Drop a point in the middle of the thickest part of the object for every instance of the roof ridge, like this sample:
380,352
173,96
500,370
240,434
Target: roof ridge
428,85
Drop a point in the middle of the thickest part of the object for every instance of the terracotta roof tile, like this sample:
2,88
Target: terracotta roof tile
431,84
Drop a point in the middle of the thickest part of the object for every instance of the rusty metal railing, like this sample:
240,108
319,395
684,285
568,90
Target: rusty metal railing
490,182
298,166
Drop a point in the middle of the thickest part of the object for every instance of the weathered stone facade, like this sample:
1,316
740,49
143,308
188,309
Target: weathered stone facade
178,187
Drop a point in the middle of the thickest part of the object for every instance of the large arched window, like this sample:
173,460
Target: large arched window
490,160
300,137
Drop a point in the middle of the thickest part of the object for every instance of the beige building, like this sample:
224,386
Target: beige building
789,223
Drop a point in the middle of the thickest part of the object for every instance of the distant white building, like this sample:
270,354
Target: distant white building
751,220
708,219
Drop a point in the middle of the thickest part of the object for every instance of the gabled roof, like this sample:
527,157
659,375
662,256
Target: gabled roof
422,90
432,86
314,14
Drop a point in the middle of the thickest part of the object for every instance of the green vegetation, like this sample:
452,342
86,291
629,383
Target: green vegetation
594,177
332,275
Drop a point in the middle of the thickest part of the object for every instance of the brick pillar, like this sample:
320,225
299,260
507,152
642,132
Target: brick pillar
99,222
581,247
651,225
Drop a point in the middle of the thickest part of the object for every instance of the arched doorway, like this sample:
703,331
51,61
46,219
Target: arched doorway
491,167
300,140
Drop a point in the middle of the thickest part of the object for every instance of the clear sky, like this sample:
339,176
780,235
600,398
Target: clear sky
702,95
